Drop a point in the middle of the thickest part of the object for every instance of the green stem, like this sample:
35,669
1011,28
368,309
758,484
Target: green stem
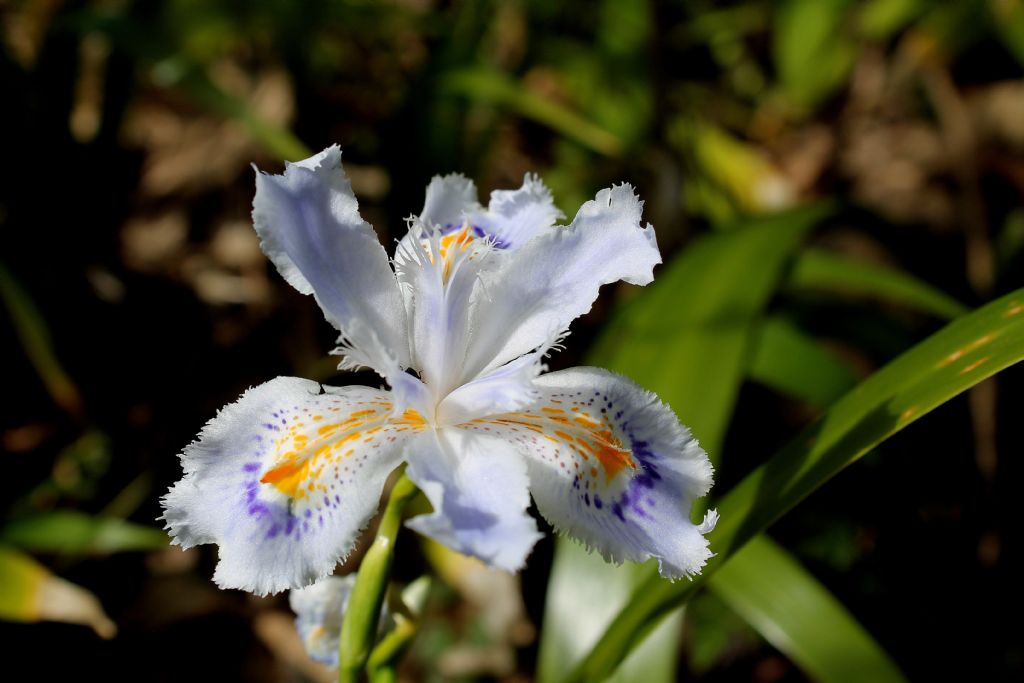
381,665
362,614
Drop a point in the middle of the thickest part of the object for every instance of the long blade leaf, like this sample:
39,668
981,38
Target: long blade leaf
689,336
697,323
817,269
796,614
954,359
71,532
795,364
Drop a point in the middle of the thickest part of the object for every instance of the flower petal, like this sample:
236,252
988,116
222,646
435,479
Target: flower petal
514,217
611,466
478,488
542,287
319,610
449,199
309,226
439,274
501,390
284,479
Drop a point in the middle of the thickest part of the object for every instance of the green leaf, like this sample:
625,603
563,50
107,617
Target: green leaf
812,53
75,533
965,352
740,170
1008,22
689,335
584,593
796,614
493,87
820,270
687,338
797,365
880,19
31,330
30,593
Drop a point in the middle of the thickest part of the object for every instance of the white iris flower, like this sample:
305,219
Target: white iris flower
284,479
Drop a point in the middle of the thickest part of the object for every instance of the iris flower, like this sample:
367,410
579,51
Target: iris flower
458,325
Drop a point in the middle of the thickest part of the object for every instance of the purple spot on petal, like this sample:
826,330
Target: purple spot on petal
258,509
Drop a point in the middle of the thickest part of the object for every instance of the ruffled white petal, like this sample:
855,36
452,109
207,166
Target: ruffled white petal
610,465
309,226
514,217
539,289
440,261
319,610
284,479
478,488
449,200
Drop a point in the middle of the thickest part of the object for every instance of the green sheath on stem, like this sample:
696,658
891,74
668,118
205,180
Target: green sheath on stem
362,615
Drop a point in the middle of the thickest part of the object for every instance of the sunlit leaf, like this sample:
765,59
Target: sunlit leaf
584,593
687,338
75,533
965,352
30,593
738,168
819,270
796,614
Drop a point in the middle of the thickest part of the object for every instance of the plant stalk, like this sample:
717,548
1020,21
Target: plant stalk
362,614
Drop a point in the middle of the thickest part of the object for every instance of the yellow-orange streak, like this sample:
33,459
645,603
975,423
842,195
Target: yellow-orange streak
289,475
610,453
461,240
974,365
413,418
